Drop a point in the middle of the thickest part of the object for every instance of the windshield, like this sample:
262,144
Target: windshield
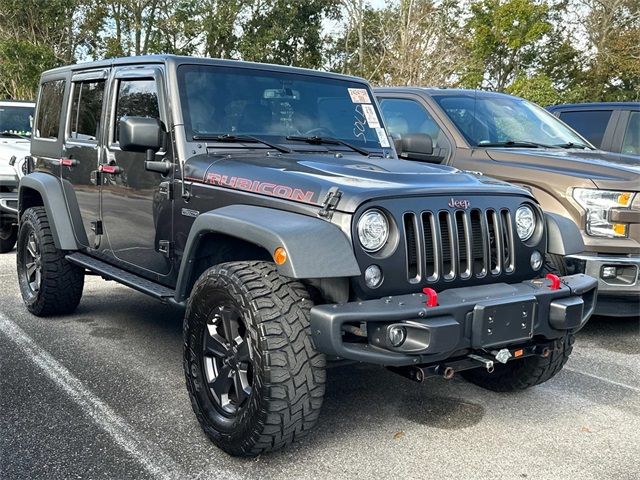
275,105
16,120
496,120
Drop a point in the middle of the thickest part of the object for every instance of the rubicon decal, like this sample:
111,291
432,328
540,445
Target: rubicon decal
453,203
256,186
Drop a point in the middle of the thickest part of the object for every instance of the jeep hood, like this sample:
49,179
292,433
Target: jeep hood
609,171
308,177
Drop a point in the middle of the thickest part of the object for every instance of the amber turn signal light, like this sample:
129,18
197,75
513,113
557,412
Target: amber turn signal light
280,255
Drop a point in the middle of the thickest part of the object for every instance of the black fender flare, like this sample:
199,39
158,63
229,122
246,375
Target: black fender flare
563,235
315,248
53,199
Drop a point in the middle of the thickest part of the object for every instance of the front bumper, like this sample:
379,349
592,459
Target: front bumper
466,319
618,295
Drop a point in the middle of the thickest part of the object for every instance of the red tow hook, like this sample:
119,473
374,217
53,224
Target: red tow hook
432,297
555,281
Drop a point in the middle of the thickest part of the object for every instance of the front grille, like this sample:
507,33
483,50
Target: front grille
458,245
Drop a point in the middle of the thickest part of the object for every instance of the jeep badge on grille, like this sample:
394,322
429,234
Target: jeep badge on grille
453,203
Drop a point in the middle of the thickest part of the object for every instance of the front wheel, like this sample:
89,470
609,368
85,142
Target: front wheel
527,372
8,237
255,380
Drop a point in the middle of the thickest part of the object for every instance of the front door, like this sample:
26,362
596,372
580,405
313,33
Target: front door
136,206
81,152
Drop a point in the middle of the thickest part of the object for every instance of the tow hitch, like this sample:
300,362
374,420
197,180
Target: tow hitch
449,368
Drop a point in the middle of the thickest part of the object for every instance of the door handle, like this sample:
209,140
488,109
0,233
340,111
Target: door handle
111,169
68,162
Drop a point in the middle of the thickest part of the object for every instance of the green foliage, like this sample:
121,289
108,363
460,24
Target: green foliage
21,66
538,89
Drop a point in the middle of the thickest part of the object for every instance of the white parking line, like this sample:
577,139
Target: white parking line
603,379
154,461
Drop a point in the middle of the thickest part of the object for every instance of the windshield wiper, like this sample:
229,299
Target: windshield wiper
12,135
240,138
315,140
515,144
573,145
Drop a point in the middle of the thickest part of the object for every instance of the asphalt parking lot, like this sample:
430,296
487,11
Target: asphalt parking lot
100,394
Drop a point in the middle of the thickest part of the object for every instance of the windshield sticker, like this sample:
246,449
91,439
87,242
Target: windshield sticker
382,137
370,114
359,95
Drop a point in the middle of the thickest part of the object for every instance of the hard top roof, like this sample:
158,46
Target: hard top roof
175,60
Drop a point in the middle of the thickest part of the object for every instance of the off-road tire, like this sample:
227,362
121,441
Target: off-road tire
61,282
555,264
521,374
8,238
288,373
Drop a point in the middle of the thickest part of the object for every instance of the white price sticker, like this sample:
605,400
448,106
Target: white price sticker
370,115
359,95
382,137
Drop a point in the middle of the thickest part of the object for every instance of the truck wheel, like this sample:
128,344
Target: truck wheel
8,237
50,285
255,380
555,264
527,372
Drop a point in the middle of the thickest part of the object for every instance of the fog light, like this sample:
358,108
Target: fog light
609,273
397,335
373,276
536,260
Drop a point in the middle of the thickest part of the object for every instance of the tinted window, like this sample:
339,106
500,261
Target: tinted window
14,119
220,100
136,98
591,124
86,107
49,109
408,116
631,142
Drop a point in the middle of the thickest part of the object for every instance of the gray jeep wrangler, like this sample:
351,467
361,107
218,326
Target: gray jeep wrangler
269,203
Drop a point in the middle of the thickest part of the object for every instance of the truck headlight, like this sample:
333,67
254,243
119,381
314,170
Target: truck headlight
525,222
597,204
373,230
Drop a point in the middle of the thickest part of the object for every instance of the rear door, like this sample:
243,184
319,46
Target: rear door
136,203
591,124
82,152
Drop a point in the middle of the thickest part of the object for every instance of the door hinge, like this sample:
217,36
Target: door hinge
166,188
96,227
165,247
330,203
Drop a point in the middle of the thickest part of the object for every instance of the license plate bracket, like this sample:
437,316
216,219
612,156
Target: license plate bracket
503,322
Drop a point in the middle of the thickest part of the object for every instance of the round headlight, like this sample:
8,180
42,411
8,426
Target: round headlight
373,230
525,222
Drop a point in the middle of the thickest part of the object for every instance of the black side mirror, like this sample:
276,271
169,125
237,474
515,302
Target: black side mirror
416,146
139,134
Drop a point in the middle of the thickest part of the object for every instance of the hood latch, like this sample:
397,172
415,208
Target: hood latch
330,203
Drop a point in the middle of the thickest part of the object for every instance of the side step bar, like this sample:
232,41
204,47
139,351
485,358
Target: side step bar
122,276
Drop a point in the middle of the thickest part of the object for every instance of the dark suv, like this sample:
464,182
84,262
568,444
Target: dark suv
270,204
610,126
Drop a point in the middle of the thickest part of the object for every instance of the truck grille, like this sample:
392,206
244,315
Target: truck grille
458,245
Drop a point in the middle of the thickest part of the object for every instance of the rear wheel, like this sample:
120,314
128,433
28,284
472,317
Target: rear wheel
255,380
50,285
527,372
8,237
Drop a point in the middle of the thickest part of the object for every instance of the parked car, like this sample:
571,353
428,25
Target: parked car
8,207
514,140
269,202
610,126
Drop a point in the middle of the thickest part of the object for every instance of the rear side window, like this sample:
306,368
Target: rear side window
631,142
49,109
591,124
86,107
136,98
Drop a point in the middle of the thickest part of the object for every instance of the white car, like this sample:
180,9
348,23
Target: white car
16,120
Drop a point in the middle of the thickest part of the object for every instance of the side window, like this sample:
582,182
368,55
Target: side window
86,107
136,98
408,116
631,141
591,124
49,109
